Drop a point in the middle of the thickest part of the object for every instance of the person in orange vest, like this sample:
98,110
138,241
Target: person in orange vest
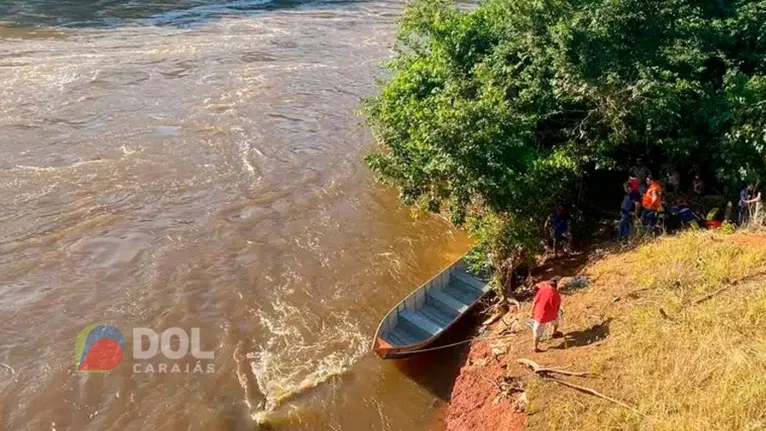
546,310
651,201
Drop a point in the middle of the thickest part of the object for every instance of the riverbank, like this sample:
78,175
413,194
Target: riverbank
668,330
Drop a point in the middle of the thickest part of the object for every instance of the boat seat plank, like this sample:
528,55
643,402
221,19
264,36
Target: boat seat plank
401,337
408,331
486,288
392,339
464,287
432,313
421,322
469,280
460,294
449,301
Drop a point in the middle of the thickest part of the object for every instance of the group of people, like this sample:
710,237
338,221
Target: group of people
644,198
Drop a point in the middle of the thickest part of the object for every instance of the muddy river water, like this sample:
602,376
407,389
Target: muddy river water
198,164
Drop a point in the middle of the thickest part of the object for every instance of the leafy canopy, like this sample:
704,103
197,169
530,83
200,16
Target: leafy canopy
505,109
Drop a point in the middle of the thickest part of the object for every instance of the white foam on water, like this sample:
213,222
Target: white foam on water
59,168
244,151
290,363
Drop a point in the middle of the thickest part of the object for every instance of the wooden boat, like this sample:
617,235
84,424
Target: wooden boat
428,312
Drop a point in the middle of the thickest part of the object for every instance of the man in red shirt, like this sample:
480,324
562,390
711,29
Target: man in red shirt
546,310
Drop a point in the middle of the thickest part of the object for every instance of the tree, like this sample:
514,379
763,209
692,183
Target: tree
496,113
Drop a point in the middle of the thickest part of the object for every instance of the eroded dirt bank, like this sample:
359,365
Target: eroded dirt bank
476,402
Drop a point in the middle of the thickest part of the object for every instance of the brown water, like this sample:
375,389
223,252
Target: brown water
203,174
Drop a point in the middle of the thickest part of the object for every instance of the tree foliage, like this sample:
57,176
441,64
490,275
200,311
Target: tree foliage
507,108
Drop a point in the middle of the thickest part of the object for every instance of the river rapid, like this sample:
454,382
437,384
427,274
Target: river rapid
198,164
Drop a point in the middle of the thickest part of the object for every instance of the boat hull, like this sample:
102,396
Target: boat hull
428,312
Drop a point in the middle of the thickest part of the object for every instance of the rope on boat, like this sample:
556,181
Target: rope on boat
470,340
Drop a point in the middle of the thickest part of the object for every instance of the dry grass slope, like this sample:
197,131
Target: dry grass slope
697,367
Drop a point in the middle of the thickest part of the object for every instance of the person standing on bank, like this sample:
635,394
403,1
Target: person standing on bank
628,210
546,310
747,196
560,222
652,202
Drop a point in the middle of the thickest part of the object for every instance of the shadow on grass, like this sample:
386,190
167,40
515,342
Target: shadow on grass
585,337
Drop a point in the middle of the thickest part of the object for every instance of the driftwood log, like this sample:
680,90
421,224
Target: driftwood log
546,372
729,285
595,393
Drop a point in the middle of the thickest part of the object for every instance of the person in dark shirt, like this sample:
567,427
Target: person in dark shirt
560,226
628,210
747,196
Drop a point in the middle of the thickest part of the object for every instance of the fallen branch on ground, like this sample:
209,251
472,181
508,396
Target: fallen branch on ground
545,373
665,314
634,293
494,318
711,294
514,302
707,296
494,382
718,291
506,387
501,309
544,370
595,393
731,284
497,310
